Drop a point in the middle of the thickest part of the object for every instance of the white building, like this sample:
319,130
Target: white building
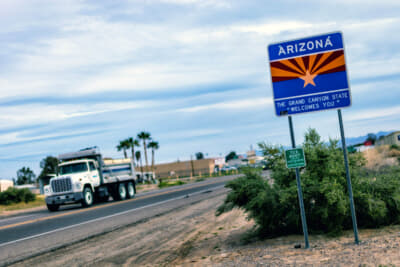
5,184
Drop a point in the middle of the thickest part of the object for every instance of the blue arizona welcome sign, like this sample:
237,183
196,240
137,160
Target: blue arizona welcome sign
309,74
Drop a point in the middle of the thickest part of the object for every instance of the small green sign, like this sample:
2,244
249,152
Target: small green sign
295,158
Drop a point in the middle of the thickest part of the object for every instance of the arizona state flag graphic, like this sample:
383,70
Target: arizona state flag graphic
309,75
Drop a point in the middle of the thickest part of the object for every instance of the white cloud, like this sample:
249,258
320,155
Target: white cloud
200,3
243,104
370,113
271,28
16,137
190,133
31,114
156,78
85,42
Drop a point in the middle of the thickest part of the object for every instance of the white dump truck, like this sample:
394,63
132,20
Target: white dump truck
85,177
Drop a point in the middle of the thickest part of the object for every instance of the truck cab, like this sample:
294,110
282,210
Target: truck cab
84,172
72,185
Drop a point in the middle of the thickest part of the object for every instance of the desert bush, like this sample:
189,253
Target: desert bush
394,152
274,206
377,197
394,147
13,195
168,184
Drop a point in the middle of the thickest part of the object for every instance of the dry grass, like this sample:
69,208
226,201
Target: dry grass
381,156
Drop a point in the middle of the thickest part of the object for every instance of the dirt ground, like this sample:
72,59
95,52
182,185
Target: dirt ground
193,236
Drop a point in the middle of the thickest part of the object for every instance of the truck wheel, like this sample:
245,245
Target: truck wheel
121,194
53,207
130,190
87,197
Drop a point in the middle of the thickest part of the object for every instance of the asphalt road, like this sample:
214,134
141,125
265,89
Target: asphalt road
32,234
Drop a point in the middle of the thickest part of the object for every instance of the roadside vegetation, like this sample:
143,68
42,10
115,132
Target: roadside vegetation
273,204
13,195
38,202
164,184
16,199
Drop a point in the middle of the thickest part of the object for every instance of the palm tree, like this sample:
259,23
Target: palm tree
144,136
123,145
153,145
132,143
139,160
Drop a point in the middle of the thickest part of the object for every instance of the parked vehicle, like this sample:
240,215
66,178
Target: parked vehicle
84,177
228,168
145,177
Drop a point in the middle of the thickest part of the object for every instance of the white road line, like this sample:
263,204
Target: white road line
16,218
103,218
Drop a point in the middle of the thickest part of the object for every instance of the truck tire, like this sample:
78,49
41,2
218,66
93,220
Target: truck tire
130,190
87,197
121,191
53,207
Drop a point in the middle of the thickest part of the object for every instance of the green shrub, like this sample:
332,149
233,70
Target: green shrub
168,184
275,207
394,147
377,196
13,195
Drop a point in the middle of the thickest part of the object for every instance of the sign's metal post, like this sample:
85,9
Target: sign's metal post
346,163
299,189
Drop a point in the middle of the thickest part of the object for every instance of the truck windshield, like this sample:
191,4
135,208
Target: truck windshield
73,168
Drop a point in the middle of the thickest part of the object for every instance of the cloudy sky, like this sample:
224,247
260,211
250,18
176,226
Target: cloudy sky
194,73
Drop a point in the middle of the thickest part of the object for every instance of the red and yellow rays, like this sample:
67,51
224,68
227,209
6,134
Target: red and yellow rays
307,67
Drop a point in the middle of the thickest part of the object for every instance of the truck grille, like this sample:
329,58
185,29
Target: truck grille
61,185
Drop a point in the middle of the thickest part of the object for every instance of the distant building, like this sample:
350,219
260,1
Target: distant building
237,162
186,168
32,187
5,184
390,139
219,161
254,156
364,148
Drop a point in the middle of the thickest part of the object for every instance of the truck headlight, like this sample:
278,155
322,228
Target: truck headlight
46,189
78,186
